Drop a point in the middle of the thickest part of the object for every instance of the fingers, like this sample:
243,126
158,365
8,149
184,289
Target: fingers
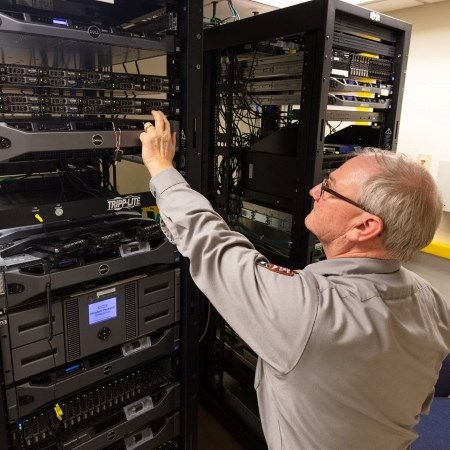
161,121
158,144
161,129
162,124
174,139
147,125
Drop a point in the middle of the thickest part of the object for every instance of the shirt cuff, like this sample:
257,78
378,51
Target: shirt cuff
165,180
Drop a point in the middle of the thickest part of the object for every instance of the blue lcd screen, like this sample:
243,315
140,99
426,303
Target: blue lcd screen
103,310
57,21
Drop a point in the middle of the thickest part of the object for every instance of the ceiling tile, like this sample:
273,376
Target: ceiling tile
390,5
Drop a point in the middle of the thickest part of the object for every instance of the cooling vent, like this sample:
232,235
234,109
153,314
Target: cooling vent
73,329
130,311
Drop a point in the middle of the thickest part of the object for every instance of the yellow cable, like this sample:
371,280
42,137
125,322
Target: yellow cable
58,411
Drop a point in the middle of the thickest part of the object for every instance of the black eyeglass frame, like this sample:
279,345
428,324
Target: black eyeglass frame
324,188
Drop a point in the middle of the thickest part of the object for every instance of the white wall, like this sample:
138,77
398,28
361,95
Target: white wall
425,118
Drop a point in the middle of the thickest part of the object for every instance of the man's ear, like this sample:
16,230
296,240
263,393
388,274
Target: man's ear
368,227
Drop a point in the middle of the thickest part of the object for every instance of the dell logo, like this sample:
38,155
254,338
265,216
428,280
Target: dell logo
103,269
94,31
107,370
97,139
111,436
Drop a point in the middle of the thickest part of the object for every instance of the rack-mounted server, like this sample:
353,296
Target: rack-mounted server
289,96
97,348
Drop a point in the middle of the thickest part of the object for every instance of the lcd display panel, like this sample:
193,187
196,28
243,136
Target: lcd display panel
102,310
63,22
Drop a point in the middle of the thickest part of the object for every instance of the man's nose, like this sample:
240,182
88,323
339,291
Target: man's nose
315,191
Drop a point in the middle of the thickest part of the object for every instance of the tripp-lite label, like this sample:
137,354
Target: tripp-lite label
128,202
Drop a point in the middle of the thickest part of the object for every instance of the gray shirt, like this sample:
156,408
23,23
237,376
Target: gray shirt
349,349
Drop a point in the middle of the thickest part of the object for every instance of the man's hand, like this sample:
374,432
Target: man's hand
158,144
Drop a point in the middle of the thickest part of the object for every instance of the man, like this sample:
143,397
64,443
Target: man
349,348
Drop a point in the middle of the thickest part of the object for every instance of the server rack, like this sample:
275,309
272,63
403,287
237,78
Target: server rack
288,96
98,340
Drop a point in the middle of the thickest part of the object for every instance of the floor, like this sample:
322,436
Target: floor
211,435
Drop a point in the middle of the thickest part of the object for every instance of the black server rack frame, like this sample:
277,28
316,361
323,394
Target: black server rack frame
63,128
334,42
315,29
85,36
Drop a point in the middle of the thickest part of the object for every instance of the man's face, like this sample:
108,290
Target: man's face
331,217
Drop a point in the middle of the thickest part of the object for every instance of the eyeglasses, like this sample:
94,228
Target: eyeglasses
325,188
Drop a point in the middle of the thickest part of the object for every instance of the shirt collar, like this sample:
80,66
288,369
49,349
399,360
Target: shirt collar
353,266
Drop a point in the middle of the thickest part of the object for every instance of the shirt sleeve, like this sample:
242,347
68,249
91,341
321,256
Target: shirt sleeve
273,312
